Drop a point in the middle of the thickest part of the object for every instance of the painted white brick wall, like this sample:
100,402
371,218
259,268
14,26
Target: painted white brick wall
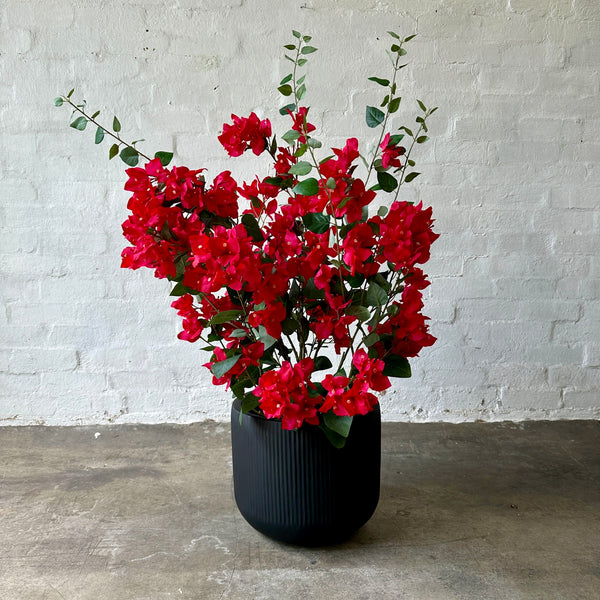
513,174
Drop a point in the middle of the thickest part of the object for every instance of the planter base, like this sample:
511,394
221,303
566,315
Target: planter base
295,487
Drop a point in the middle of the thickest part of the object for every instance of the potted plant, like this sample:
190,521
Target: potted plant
306,302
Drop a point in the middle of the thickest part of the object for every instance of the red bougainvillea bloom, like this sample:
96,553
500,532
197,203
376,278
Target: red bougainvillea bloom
286,394
245,133
390,153
406,234
301,125
347,401
371,370
192,328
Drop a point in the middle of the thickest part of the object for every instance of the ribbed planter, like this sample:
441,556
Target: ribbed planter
294,486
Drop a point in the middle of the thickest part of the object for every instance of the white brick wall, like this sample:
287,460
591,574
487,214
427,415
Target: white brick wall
512,172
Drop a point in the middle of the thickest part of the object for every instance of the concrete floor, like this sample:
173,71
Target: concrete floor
473,511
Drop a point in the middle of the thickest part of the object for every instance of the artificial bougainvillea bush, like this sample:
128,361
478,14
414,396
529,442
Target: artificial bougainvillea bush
277,275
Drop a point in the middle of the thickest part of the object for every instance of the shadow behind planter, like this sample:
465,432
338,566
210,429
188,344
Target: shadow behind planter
294,486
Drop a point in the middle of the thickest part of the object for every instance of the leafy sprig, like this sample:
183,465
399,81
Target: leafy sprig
127,152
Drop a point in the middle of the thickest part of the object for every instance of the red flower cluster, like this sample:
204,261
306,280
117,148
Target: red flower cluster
245,133
312,269
286,394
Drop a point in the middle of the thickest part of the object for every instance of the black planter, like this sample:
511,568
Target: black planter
294,486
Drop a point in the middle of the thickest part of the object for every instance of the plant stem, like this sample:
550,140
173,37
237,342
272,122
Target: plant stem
114,135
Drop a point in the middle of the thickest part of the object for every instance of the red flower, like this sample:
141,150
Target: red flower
245,133
286,394
371,370
301,125
390,153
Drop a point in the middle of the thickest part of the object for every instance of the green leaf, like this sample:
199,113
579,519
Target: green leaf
422,139
382,211
362,312
394,104
341,425
116,125
401,52
296,34
322,363
70,93
376,295
284,109
164,157
307,187
311,291
288,326
396,366
301,151
387,182
252,227
290,47
421,106
330,184
371,339
410,37
180,290
250,402
130,156
313,143
239,333
395,139
291,136
225,316
308,50
395,48
300,168
58,101
286,79
385,100
95,114
383,82
99,135
79,123
394,35
219,369
411,176
285,90
316,222
374,116
302,62
407,130
301,92
265,338
335,439
114,150
307,39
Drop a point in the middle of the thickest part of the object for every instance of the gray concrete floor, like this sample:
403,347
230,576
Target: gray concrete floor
490,511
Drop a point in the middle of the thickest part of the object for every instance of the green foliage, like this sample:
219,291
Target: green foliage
316,222
79,123
374,116
307,187
387,182
164,157
396,366
130,156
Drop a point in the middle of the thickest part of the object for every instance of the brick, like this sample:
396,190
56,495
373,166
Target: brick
36,360
529,400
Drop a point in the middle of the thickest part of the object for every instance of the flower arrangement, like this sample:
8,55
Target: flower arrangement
278,275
